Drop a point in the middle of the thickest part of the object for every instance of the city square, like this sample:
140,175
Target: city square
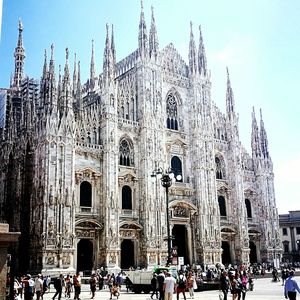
264,289
135,140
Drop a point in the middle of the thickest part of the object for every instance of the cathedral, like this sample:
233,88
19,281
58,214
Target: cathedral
77,157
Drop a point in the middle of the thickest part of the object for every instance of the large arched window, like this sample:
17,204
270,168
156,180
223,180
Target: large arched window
220,168
126,197
172,122
222,206
176,167
248,208
85,194
125,154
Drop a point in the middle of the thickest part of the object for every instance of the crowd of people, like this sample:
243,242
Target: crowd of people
232,280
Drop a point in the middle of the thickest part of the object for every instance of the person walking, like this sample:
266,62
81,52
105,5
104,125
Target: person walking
169,286
38,286
160,281
154,286
190,282
58,285
224,284
181,285
77,286
93,285
291,287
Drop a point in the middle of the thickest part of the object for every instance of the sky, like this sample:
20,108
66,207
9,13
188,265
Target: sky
259,41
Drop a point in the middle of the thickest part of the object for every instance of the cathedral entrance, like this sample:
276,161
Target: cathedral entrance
226,257
85,256
127,254
179,242
253,252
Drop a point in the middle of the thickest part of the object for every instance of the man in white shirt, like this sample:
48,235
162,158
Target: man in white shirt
169,286
38,286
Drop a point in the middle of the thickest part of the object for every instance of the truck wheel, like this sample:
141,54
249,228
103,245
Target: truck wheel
146,290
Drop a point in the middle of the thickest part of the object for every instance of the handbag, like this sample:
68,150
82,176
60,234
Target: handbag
221,295
195,284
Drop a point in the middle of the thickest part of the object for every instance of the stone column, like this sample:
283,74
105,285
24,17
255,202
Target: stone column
6,238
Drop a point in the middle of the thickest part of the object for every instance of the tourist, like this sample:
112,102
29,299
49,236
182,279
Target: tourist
77,286
93,285
181,285
154,286
169,286
291,287
58,285
38,286
224,284
191,284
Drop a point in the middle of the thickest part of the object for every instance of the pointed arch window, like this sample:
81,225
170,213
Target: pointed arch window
85,194
248,208
176,166
222,206
126,197
125,154
172,121
220,168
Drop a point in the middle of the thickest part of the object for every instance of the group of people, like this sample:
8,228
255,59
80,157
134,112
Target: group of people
29,287
164,285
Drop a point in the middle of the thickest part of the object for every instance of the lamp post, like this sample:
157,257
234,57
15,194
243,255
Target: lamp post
166,178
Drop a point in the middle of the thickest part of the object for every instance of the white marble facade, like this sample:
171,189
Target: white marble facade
80,156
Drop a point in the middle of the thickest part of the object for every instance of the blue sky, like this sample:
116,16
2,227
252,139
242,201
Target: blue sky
259,40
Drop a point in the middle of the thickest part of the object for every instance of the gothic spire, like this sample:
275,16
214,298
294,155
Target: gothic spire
52,83
192,52
45,67
66,78
78,90
143,40
92,68
74,75
202,63
51,64
19,56
113,49
107,57
255,140
263,138
153,40
229,96
59,88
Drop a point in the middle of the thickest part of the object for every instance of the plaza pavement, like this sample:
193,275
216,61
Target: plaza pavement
264,289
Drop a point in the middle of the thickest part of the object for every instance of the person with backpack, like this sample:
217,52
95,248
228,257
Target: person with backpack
181,285
28,285
58,285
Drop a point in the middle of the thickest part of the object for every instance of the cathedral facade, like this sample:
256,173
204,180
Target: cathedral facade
77,158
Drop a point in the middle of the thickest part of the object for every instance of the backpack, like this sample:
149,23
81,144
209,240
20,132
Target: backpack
181,282
244,281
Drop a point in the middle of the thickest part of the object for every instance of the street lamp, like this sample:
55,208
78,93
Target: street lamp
166,178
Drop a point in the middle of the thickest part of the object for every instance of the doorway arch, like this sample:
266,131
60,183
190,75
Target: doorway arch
179,234
253,252
127,254
226,257
85,256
